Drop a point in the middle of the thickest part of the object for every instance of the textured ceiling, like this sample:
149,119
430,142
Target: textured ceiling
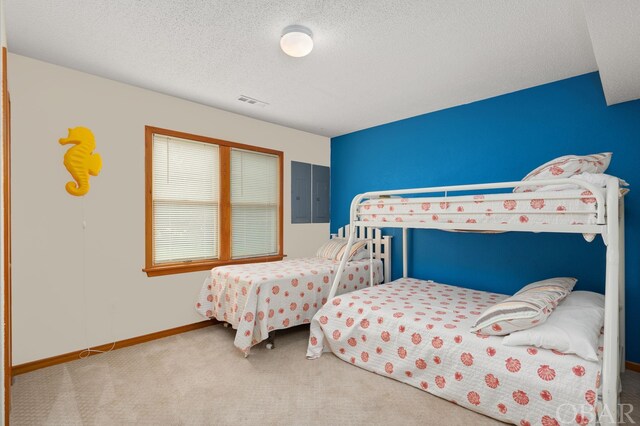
615,35
374,61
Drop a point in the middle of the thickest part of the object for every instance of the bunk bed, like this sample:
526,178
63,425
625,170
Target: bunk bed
259,298
418,331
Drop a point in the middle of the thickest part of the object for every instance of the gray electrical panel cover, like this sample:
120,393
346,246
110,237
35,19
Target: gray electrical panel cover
300,192
321,179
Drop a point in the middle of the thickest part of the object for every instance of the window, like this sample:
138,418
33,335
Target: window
210,202
254,204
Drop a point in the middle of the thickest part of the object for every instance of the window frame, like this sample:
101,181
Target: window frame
225,236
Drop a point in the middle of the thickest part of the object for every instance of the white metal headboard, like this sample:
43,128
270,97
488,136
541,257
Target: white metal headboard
380,245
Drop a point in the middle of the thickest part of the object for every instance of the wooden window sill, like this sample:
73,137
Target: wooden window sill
184,267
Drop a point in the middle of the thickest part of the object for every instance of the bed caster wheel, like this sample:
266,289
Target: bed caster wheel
225,325
270,339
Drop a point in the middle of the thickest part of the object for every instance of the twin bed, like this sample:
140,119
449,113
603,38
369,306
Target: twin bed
418,331
258,299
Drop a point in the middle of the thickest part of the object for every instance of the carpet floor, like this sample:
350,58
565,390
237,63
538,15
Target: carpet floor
199,378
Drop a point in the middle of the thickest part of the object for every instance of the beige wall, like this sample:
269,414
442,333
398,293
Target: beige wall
59,306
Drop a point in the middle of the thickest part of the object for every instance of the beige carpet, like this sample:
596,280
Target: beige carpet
198,378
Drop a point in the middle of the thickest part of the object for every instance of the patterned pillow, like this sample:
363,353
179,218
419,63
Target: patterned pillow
334,249
528,307
567,166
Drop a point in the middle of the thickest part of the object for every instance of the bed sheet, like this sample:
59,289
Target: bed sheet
257,298
578,207
417,332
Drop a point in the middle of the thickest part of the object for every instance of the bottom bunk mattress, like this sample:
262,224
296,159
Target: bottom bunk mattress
258,298
417,332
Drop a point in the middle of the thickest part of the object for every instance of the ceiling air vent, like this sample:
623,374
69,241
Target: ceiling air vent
252,101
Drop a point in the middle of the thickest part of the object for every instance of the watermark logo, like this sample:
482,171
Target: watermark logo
583,414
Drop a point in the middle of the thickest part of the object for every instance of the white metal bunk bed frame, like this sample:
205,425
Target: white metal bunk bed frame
609,204
379,247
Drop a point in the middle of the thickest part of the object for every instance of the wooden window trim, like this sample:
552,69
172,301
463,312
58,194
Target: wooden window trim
153,270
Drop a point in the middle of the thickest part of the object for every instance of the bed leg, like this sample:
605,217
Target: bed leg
225,324
271,339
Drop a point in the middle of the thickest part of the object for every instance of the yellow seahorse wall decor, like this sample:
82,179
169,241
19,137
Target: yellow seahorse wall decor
80,160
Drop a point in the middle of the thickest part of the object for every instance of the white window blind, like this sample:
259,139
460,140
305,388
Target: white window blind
255,195
185,200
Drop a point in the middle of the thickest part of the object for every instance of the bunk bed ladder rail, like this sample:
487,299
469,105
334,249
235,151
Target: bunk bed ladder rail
380,245
352,237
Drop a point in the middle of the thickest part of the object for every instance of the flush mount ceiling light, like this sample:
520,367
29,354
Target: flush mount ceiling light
296,41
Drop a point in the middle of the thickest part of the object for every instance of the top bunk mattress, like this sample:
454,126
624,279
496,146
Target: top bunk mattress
569,207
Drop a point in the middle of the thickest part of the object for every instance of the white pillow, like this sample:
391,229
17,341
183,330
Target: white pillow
573,328
565,167
361,255
597,179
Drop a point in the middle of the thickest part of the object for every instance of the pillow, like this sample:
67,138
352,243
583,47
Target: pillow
357,246
528,307
573,328
330,249
565,167
597,179
334,249
361,255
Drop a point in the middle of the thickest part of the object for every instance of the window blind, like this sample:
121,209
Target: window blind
185,200
255,195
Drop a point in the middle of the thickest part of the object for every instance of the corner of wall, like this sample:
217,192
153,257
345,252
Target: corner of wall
3,43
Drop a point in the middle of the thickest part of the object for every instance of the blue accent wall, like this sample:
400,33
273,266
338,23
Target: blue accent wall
500,139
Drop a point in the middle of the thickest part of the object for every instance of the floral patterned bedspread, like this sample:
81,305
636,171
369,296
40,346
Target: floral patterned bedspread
417,332
572,207
261,297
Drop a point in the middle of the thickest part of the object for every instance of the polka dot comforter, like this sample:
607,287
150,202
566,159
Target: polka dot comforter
261,297
417,332
569,207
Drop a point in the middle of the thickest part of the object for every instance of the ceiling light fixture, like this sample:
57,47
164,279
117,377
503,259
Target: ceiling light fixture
296,41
